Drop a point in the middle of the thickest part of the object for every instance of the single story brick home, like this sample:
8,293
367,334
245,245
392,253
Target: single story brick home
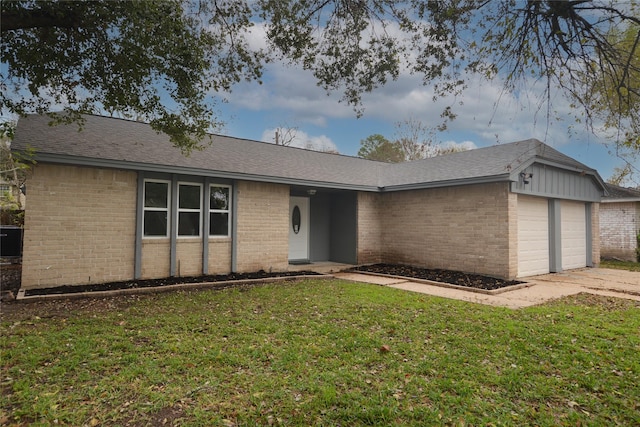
116,201
620,223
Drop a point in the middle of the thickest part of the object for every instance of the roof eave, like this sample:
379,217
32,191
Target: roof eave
181,170
620,200
448,183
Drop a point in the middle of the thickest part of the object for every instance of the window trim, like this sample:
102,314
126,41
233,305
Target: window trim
180,210
227,211
167,209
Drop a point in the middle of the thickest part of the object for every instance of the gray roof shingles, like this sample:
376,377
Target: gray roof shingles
127,142
616,192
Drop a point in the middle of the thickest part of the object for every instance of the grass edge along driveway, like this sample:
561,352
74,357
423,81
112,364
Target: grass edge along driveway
321,352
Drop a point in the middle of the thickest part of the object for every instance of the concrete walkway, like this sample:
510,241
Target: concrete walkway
599,281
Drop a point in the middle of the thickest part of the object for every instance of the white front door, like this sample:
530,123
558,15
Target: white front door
299,228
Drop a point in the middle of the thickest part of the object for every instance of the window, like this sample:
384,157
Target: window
156,209
219,208
189,207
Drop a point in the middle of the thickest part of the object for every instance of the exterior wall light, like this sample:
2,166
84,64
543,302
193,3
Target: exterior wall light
526,177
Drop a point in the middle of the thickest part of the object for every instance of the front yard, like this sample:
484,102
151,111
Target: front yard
319,352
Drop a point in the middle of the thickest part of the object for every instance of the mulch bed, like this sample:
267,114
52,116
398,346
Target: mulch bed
147,283
437,275
458,278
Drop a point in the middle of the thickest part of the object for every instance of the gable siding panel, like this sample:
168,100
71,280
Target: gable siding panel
552,182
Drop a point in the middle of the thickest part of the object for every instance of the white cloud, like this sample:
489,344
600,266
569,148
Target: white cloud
463,145
300,139
486,113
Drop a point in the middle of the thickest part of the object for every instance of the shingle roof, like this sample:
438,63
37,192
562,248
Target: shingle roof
132,142
128,144
497,160
618,193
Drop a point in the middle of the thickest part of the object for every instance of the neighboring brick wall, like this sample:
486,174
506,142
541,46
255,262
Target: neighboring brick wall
619,225
79,226
263,227
460,228
369,228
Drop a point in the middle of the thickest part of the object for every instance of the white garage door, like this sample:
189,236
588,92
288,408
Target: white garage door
574,235
533,236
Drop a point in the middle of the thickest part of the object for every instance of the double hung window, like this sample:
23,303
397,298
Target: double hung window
189,209
219,209
156,208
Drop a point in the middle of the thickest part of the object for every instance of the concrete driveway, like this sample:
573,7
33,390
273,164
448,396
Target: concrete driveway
540,289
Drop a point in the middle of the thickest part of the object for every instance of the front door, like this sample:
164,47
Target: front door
299,229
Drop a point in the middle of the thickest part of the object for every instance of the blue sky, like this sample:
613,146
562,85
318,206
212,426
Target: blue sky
289,98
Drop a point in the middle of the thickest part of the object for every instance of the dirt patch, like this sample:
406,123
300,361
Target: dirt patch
63,308
10,276
458,278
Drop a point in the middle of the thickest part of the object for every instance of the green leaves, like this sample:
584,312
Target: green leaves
377,147
165,61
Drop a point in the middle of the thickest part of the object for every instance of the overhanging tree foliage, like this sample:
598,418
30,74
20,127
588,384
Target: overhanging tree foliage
156,61
125,55
14,168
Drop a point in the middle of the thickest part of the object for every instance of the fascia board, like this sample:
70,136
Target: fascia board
546,162
621,200
146,167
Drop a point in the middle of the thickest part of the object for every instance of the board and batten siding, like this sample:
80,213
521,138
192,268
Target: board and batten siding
552,182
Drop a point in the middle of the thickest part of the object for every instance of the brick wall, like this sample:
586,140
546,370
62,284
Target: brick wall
619,225
263,227
369,228
79,226
460,228
156,258
189,257
220,256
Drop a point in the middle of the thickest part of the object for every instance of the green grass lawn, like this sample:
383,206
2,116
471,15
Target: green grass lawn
322,352
621,265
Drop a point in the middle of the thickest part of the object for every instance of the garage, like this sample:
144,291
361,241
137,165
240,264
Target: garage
573,231
533,236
